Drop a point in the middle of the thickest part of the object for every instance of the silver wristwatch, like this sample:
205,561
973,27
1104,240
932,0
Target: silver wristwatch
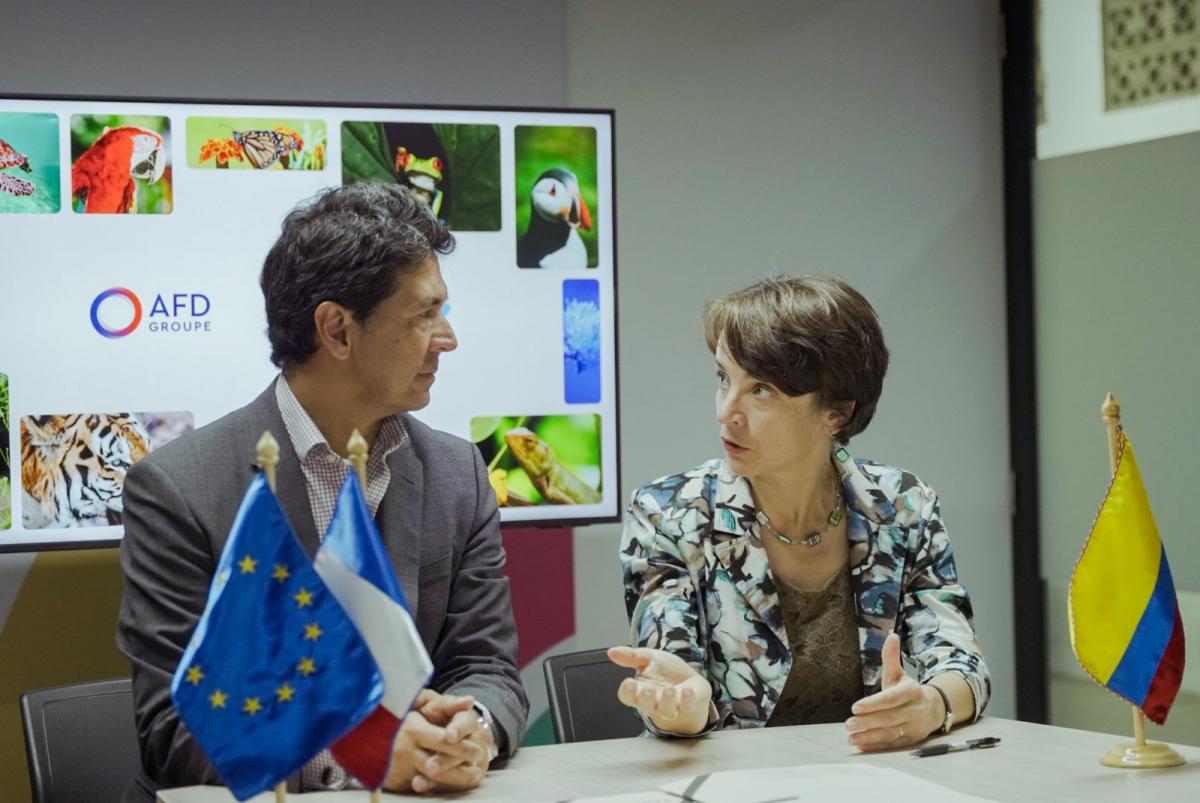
485,722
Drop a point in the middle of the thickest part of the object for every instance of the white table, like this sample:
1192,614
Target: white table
1033,762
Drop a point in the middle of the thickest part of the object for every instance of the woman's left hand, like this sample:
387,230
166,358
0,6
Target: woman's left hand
902,713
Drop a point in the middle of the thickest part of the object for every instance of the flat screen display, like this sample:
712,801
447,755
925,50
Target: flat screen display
132,233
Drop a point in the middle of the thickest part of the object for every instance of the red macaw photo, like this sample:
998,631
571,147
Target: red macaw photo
116,171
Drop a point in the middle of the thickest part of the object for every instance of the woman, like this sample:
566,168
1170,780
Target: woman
778,585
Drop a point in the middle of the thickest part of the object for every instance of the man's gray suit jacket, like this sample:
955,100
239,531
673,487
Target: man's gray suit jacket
440,526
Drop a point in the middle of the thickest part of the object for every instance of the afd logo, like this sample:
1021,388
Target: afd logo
117,312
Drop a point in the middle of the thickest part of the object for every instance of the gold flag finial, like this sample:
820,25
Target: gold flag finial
268,456
1110,410
356,448
1110,414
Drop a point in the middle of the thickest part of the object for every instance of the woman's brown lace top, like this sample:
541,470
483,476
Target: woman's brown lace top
826,676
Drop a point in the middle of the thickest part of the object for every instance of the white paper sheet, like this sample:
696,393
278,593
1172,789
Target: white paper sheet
815,782
631,797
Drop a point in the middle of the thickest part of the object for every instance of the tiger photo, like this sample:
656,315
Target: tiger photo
73,467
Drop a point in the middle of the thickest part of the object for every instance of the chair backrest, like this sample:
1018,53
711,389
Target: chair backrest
81,741
582,687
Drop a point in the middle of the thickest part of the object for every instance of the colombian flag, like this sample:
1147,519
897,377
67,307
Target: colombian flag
1124,617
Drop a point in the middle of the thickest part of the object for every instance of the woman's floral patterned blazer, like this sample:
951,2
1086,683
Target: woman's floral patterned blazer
697,584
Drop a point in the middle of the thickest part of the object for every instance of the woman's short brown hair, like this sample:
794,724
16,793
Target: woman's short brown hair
805,334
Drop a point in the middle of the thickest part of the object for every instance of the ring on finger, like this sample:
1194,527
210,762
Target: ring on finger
899,732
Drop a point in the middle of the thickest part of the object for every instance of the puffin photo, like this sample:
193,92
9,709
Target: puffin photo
557,213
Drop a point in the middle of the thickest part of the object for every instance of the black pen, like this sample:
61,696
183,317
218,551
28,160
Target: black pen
954,747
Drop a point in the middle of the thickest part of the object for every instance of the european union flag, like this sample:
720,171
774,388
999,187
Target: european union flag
275,671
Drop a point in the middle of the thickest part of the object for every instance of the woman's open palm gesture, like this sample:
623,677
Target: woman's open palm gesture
666,689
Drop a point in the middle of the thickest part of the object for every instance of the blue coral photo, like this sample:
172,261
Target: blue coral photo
581,341
29,166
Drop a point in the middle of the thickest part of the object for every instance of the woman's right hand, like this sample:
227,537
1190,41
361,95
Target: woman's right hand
666,689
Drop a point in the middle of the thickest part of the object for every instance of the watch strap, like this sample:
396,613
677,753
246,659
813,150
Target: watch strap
948,719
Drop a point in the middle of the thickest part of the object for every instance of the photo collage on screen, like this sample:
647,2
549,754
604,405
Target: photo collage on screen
71,466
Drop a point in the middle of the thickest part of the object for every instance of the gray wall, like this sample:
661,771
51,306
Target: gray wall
1117,288
1116,284
857,138
464,52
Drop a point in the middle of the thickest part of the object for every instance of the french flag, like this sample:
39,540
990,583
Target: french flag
355,568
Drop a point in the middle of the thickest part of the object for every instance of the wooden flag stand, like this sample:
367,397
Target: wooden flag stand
1138,754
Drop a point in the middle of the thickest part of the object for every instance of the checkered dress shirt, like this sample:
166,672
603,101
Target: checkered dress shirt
324,472
324,469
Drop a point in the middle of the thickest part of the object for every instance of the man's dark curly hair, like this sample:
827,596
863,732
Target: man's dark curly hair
348,245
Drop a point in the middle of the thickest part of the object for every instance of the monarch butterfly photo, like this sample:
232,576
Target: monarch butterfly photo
263,148
224,143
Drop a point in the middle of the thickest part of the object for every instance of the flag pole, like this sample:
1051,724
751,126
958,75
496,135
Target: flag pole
1110,414
268,457
1139,754
357,450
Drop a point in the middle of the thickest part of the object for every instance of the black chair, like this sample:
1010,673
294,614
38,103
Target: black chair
583,698
81,742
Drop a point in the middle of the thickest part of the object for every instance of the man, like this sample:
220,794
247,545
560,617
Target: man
354,299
